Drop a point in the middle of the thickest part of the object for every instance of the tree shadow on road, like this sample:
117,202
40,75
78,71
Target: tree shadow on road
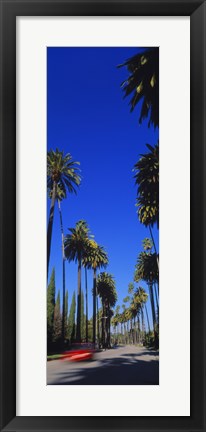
114,371
142,353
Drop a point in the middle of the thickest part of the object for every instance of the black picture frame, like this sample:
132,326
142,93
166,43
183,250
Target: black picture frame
10,9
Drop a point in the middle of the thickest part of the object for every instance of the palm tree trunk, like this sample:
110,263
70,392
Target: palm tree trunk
147,318
139,330
50,224
150,230
63,268
103,324
143,324
153,313
108,328
152,305
125,333
135,334
156,296
128,332
79,303
86,300
131,331
98,329
94,306
109,331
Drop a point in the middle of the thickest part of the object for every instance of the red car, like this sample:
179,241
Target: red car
79,352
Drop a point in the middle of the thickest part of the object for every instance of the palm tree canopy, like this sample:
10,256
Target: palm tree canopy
126,299
147,244
146,268
143,84
106,288
60,194
76,242
94,256
62,170
130,288
134,309
128,314
115,320
147,179
140,296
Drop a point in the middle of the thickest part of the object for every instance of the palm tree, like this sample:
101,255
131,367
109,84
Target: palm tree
147,179
146,269
64,173
129,316
98,324
134,310
148,324
143,84
131,288
75,246
107,291
86,301
60,196
95,257
124,322
125,301
114,322
140,297
147,244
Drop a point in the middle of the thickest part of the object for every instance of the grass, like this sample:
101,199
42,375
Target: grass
54,357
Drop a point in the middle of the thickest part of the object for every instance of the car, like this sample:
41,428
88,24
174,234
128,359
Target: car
79,352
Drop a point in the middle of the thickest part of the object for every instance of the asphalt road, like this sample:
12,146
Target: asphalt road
122,365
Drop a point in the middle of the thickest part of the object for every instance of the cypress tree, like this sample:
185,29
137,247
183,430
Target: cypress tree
57,321
71,320
50,309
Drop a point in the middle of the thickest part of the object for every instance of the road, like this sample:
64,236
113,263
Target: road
118,366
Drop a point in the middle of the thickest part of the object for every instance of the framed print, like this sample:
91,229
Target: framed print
104,315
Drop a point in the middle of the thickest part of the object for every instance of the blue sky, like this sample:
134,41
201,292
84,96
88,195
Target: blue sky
88,117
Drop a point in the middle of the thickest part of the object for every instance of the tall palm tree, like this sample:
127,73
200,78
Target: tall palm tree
64,173
127,300
129,316
140,297
107,291
147,179
146,269
148,324
75,245
114,322
124,322
143,84
95,257
97,317
134,311
86,267
60,196
86,301
117,321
